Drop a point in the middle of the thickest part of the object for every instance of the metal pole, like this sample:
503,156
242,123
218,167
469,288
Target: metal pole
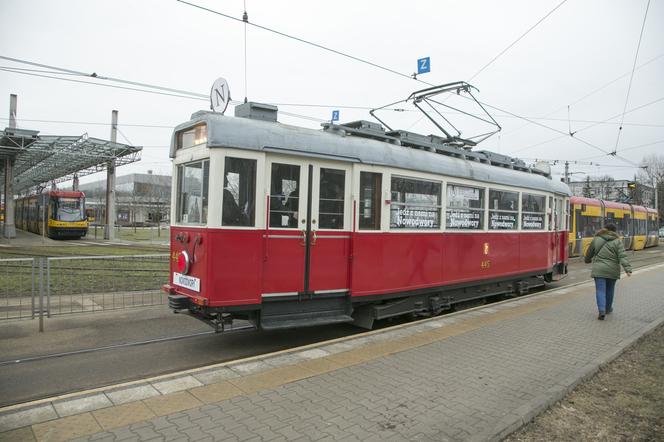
109,219
41,294
33,288
13,101
10,227
567,172
48,287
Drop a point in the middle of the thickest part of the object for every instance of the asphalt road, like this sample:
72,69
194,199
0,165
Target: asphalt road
26,375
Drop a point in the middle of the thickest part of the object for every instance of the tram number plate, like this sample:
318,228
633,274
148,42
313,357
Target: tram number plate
188,282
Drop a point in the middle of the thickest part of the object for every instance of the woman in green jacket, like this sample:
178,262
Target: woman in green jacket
607,253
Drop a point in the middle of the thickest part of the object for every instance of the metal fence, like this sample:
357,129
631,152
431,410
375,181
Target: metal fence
17,287
80,284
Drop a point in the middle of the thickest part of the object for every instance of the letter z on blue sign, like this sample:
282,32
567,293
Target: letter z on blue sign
423,65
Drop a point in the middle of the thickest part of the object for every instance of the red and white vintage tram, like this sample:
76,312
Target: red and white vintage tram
289,227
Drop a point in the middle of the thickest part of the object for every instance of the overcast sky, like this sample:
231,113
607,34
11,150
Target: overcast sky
580,47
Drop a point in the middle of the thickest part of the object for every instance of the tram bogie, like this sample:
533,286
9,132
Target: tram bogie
292,227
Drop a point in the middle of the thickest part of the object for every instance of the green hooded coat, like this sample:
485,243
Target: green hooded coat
607,253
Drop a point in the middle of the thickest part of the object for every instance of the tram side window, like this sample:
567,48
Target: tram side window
284,195
465,208
532,211
623,225
652,225
370,189
331,200
415,204
588,226
239,192
192,201
503,210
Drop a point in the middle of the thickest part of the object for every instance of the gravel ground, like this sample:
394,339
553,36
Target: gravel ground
623,402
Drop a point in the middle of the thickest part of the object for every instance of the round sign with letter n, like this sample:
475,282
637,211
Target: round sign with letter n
220,95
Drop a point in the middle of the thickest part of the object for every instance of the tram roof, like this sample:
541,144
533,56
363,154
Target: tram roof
40,159
270,136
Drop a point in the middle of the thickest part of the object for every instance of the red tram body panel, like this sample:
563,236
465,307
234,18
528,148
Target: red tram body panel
317,228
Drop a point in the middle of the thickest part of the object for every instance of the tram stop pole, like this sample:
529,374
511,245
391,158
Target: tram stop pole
109,219
10,226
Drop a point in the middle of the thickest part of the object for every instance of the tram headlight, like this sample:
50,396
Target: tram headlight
184,262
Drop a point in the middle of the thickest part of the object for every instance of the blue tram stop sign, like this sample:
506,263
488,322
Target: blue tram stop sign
423,65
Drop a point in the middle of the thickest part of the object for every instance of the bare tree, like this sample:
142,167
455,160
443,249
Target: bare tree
652,172
652,169
606,187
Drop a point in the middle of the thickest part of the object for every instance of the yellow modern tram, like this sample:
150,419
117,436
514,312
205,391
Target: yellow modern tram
636,225
56,214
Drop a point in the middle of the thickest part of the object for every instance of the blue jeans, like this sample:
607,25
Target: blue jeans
604,289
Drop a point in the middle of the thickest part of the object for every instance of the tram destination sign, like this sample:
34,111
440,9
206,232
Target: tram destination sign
188,282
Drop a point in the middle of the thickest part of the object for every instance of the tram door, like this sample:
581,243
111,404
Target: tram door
308,236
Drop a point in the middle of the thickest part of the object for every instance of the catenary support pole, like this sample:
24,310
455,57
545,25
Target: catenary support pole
10,226
109,219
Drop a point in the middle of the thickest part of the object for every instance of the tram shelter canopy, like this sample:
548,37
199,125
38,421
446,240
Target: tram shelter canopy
41,159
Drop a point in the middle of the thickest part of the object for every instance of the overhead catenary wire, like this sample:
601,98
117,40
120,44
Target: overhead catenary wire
516,41
563,133
631,77
586,96
245,22
639,146
555,162
245,19
161,90
590,126
193,96
285,113
307,42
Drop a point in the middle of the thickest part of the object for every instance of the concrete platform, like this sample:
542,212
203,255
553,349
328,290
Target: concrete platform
475,375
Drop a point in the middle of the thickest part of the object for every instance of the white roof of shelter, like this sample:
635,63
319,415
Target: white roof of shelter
40,159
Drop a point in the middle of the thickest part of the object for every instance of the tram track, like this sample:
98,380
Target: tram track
635,263
32,377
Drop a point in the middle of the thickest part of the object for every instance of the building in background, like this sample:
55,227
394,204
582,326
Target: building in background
142,199
606,188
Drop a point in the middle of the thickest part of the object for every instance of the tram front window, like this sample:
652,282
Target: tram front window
193,192
68,209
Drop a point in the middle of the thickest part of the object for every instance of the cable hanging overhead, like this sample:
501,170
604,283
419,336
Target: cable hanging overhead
631,77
